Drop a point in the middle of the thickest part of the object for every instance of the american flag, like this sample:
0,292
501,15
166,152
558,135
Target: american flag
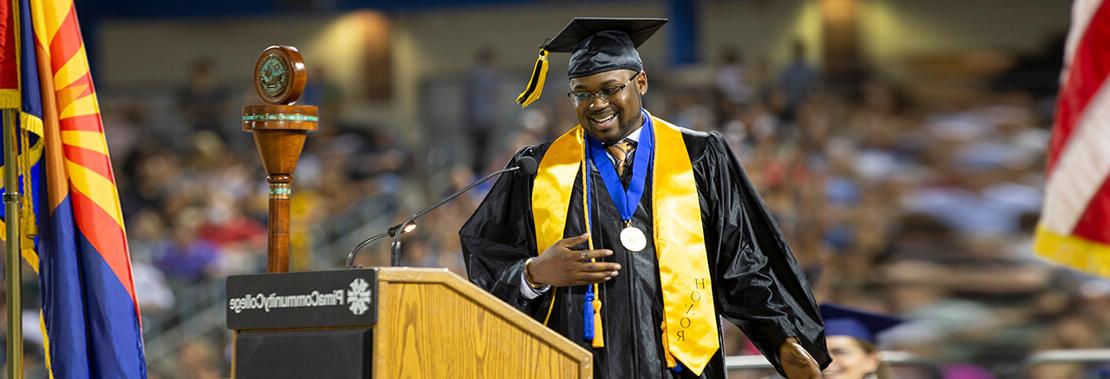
1074,228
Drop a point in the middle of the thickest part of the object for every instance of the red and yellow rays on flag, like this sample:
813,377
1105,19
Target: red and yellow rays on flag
92,186
1075,224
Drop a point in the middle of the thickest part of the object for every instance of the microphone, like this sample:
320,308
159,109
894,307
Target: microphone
524,165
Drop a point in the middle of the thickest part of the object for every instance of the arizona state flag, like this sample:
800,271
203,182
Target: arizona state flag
71,211
1075,224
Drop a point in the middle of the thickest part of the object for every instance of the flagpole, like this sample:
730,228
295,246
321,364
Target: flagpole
12,262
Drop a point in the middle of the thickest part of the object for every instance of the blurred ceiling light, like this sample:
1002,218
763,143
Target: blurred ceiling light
343,47
838,10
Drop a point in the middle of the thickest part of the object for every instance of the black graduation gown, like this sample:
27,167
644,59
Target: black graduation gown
757,283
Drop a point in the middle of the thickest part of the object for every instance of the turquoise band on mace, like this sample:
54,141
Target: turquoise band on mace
281,117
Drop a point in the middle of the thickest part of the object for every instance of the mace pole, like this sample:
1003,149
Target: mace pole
279,129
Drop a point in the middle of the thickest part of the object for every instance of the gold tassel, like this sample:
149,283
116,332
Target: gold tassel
29,226
667,346
599,333
535,84
550,307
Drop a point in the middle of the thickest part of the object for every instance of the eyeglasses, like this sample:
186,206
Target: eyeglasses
586,97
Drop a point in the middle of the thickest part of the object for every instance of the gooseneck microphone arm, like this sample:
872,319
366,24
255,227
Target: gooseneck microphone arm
375,238
525,164
354,252
395,246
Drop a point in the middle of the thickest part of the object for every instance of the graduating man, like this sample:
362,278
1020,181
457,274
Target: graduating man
634,235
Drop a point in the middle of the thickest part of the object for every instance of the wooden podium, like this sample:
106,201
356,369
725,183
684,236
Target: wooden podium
418,323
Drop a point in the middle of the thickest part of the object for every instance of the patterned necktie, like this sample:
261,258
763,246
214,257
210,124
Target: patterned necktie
619,151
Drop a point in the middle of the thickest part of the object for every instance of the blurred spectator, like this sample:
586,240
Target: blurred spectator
480,105
203,101
322,92
154,295
186,257
798,79
226,226
197,360
732,80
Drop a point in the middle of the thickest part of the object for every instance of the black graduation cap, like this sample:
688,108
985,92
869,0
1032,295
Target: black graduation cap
844,321
596,45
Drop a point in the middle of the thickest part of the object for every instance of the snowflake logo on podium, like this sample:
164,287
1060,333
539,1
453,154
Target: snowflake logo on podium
359,296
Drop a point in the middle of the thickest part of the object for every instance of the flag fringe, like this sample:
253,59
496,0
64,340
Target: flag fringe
45,345
9,99
1073,251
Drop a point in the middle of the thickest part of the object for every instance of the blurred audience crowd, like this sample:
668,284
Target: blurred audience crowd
894,205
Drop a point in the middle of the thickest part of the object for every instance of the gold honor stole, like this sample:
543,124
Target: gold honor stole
690,322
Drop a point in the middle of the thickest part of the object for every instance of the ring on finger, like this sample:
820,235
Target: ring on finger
584,255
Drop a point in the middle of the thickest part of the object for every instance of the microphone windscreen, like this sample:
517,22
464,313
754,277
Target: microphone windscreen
527,165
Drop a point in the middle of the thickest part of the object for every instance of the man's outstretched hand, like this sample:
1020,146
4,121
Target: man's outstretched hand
796,361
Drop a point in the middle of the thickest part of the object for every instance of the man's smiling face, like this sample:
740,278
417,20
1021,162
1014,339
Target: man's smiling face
616,113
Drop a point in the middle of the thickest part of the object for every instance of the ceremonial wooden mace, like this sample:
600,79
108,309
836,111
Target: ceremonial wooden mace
279,128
